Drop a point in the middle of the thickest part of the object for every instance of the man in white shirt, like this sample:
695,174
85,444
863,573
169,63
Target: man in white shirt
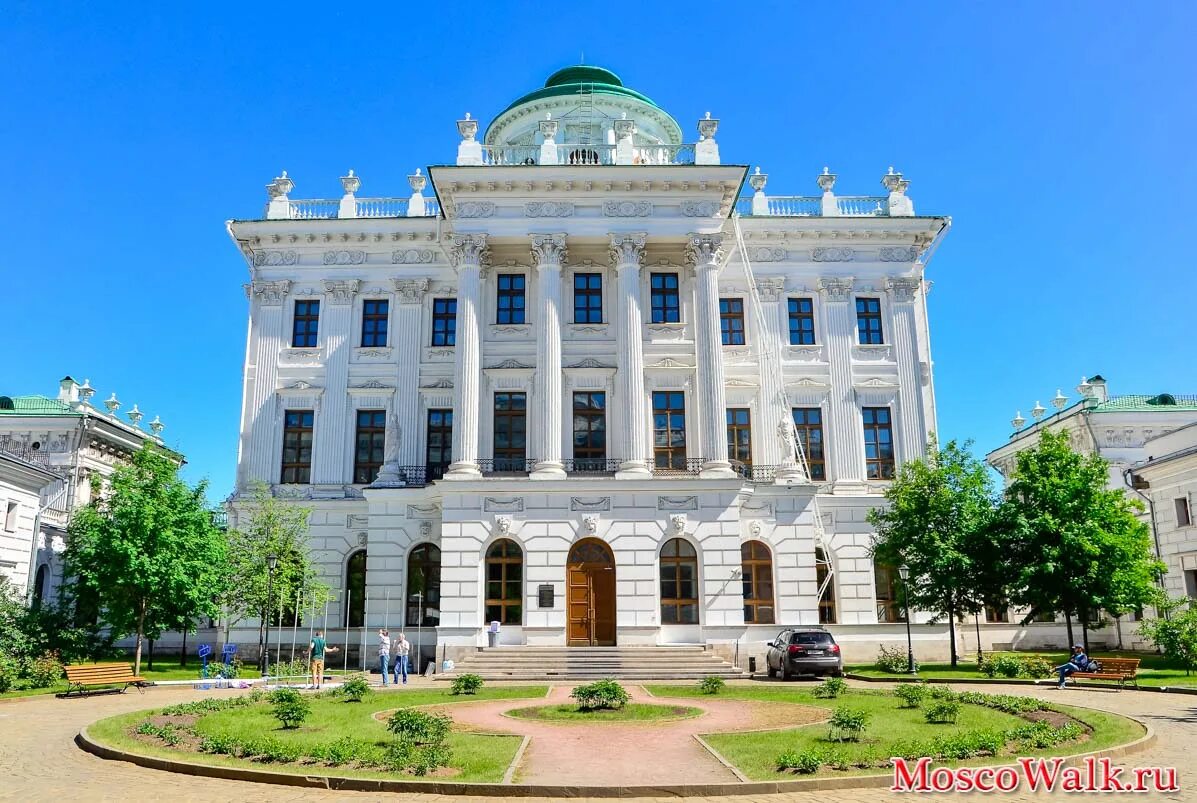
400,650
384,652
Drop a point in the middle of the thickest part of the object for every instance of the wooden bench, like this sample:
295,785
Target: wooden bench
82,678
1116,669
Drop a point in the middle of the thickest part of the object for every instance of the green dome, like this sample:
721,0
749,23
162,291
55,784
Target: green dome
582,77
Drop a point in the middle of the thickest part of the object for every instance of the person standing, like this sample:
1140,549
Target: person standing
384,652
400,651
316,650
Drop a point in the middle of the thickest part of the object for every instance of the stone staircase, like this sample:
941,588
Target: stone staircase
593,663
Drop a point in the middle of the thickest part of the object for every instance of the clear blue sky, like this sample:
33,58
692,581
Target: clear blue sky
1050,132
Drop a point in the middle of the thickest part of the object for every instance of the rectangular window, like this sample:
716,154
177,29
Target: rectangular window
731,321
669,429
868,321
993,614
510,308
802,322
10,518
808,425
438,453
1184,516
511,432
306,325
739,435
665,301
297,447
444,321
374,323
879,444
590,431
1191,582
369,446
588,298
885,588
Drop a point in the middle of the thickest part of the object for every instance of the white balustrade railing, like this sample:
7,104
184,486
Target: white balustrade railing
812,205
585,154
744,206
510,155
663,154
382,207
321,209
325,209
794,206
862,205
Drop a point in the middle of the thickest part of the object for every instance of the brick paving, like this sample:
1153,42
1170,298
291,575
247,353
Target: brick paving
39,760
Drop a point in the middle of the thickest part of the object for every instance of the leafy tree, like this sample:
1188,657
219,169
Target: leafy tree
1071,543
936,524
1175,636
147,551
271,528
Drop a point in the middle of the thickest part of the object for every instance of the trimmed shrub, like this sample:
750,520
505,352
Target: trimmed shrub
468,683
831,688
290,707
847,724
943,712
354,688
802,761
45,671
712,684
404,756
894,660
419,727
912,694
419,745
1014,666
941,693
600,694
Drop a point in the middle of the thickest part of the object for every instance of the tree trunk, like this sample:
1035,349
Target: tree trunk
150,662
183,649
140,629
1085,630
1068,622
952,628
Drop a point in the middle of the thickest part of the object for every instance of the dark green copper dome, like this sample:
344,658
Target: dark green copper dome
579,78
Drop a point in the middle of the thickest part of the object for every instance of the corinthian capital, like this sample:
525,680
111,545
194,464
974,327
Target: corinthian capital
468,249
627,249
837,288
548,250
270,294
904,289
704,250
343,291
411,291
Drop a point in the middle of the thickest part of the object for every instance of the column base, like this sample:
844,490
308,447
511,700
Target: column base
633,470
850,488
463,470
716,469
789,474
548,470
389,476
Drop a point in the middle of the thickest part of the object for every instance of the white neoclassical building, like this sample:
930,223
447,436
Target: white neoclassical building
559,386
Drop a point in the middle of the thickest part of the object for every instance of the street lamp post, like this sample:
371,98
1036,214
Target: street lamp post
271,563
904,573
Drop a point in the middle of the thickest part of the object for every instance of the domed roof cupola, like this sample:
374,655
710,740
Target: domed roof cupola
586,100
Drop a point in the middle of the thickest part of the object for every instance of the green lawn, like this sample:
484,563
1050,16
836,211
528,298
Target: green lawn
478,757
631,712
1154,670
163,671
755,754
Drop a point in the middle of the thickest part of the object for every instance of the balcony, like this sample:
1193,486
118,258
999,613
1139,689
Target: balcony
583,154
331,209
895,204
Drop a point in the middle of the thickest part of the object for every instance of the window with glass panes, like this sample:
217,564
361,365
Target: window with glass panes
297,446
444,321
590,431
355,588
424,586
664,298
731,321
679,583
808,426
878,443
305,325
504,583
739,435
756,567
511,431
802,321
438,452
868,321
669,429
825,580
369,446
374,323
588,298
885,587
509,306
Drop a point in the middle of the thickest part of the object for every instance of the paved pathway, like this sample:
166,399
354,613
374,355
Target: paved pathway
39,761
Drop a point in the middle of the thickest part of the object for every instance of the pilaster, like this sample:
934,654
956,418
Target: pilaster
333,427
548,251
770,449
631,404
911,421
403,426
259,456
469,255
705,252
846,441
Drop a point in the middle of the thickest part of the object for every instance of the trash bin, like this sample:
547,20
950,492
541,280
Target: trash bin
492,635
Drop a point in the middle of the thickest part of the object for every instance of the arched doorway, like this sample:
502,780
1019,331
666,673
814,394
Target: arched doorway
590,591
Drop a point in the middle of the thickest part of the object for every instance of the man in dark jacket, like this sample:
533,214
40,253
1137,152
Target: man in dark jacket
1079,662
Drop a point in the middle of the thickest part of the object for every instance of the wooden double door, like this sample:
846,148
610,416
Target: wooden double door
590,592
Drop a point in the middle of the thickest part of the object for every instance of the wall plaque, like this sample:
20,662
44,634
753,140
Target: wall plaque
544,595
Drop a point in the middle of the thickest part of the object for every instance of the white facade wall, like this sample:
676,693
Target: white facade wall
21,484
1172,479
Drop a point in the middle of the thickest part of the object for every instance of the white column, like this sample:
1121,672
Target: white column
334,427
626,252
259,458
911,426
468,252
403,425
705,251
846,441
548,251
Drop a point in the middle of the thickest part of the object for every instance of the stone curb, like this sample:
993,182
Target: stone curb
1019,682
85,742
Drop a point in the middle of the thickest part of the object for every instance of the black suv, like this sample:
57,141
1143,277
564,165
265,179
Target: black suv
804,651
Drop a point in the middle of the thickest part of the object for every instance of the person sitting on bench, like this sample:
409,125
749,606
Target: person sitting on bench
1077,663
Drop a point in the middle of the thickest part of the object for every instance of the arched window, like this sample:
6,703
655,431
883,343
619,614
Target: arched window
355,588
825,580
886,587
757,564
679,583
505,583
41,579
424,586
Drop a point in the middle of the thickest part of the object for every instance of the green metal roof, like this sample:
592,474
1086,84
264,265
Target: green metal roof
582,78
1161,403
39,406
